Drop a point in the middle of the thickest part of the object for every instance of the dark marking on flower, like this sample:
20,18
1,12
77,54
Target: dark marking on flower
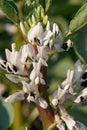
4,62
84,76
81,98
4,67
9,69
32,94
15,68
37,40
28,59
65,46
84,84
25,95
55,34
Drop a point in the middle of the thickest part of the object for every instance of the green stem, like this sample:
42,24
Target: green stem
46,115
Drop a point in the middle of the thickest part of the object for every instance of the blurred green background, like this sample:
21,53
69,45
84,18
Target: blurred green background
21,115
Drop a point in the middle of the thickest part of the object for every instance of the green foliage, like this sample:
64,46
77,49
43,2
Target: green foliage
6,115
10,10
28,7
80,44
80,19
45,3
35,13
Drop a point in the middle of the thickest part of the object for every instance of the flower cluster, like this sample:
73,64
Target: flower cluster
71,91
18,66
35,54
51,38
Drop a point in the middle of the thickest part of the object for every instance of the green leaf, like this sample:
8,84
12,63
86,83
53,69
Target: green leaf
29,8
80,44
10,10
47,4
80,19
6,115
26,6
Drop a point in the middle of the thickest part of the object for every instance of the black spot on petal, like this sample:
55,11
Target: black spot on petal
84,84
9,69
32,94
84,76
15,68
56,34
64,46
2,66
81,98
37,40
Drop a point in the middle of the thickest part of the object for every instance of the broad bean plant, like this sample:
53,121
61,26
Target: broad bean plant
41,39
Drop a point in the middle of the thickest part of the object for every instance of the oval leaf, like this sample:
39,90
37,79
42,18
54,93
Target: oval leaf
6,115
10,10
80,19
80,44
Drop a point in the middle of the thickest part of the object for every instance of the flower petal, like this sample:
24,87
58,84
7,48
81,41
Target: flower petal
81,96
40,101
70,123
18,96
35,32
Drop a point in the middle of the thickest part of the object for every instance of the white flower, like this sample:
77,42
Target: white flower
67,45
42,56
79,68
33,94
81,96
18,96
41,102
17,78
46,39
69,121
2,64
51,37
68,81
12,57
67,90
34,33
73,77
13,60
18,61
59,96
59,123
29,92
57,37
36,75
27,51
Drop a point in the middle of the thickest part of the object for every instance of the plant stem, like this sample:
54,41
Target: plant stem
46,115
